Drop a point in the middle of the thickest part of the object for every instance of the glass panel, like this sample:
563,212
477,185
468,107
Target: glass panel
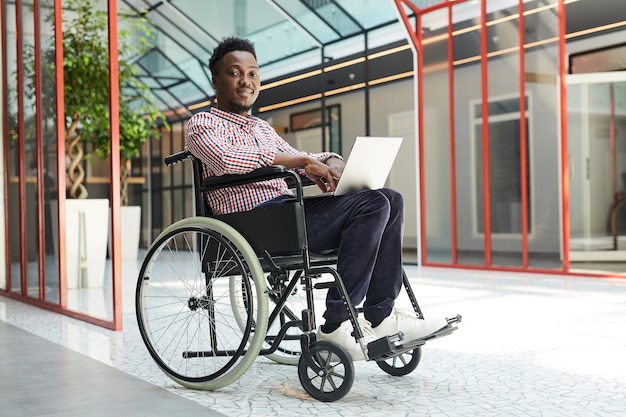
13,232
186,90
311,22
505,188
467,92
89,272
198,73
30,154
436,146
597,139
426,3
505,191
49,176
338,19
369,13
258,21
542,74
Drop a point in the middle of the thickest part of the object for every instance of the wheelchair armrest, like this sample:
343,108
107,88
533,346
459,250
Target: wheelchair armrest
230,180
177,157
260,174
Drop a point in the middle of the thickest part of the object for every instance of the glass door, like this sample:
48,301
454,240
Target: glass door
596,106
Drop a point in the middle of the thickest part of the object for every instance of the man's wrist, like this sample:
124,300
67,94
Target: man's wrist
331,155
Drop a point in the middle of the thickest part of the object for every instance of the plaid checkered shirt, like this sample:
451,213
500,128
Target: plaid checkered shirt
228,143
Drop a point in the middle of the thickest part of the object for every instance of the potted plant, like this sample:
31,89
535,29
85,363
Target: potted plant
87,118
140,120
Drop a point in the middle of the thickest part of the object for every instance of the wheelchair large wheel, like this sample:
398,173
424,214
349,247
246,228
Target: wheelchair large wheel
403,364
333,375
185,309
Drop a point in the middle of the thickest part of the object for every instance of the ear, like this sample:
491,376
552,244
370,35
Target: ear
213,83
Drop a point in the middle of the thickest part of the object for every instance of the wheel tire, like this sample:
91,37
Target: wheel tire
184,307
336,376
403,364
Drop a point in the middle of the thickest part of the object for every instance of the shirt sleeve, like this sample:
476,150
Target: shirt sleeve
221,149
287,148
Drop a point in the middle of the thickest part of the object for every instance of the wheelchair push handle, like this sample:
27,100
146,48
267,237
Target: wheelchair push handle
177,157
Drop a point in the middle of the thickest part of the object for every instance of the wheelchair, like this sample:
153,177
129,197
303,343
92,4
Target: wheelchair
216,291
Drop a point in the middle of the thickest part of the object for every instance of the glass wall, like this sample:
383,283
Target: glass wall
489,132
61,270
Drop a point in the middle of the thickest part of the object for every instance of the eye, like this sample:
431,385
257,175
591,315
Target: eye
234,73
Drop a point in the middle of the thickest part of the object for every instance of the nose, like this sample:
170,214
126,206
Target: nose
245,80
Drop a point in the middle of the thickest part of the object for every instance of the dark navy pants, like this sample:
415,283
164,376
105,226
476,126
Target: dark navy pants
366,227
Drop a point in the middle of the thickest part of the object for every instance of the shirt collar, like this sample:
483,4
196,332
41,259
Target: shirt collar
233,117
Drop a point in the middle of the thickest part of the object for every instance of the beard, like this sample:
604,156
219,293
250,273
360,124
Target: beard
238,107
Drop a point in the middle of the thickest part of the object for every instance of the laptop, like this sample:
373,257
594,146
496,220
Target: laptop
368,165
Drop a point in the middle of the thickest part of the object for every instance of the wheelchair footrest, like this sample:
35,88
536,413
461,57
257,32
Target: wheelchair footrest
388,347
391,346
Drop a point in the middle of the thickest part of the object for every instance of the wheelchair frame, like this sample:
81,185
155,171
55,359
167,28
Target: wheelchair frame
182,282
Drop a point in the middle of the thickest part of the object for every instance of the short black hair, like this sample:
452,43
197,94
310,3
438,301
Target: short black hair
228,45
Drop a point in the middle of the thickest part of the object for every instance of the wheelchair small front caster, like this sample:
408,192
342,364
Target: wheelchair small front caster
328,373
402,364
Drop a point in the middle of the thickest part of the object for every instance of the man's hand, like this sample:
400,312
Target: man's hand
336,164
325,176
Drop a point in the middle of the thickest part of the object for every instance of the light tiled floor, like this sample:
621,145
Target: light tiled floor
528,345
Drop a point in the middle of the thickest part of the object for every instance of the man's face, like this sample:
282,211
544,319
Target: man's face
237,82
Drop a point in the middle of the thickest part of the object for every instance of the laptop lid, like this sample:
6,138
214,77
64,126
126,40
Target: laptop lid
368,164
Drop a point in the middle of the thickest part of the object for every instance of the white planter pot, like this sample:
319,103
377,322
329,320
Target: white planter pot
130,231
86,233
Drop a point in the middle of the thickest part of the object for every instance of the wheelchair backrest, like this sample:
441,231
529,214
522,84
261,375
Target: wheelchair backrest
278,229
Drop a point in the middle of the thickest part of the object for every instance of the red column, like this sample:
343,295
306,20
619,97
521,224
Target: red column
484,62
453,214
60,102
523,142
114,98
564,147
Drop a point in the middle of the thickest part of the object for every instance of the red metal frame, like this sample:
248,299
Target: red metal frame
114,99
484,64
613,156
5,142
20,152
523,142
60,103
564,142
453,217
405,8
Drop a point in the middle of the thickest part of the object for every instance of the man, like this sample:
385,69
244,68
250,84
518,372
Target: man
366,227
